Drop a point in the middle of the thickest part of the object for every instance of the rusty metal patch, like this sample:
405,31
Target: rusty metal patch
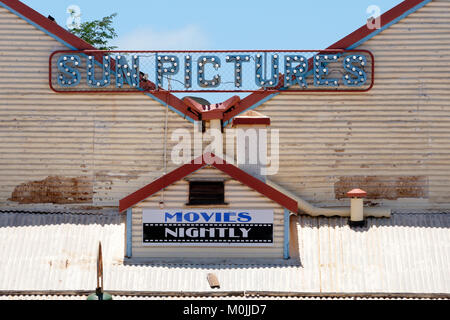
54,189
384,187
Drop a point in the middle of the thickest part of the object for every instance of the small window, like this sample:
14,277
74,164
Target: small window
206,192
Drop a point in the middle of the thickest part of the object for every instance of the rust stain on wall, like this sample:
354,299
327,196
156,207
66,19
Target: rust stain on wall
54,189
384,187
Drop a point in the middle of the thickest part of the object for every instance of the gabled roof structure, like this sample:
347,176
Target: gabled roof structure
218,163
230,108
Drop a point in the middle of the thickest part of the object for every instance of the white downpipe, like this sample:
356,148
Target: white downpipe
306,207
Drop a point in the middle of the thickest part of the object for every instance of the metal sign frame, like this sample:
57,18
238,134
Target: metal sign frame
150,87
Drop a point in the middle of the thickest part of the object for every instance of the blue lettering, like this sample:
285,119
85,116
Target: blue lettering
244,217
321,70
227,216
201,77
178,216
260,79
105,81
102,67
206,216
69,76
188,72
166,66
129,72
191,216
218,217
359,75
238,61
297,74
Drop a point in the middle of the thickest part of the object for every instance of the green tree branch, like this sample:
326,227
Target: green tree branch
97,32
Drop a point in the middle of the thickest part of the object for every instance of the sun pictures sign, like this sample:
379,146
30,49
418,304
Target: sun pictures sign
213,71
207,227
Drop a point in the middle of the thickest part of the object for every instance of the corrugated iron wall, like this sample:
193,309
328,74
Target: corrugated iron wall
237,195
393,140
77,150
89,151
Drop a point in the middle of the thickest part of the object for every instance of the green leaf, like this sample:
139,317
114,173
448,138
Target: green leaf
97,32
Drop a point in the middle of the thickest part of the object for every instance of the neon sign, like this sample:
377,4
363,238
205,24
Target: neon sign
218,71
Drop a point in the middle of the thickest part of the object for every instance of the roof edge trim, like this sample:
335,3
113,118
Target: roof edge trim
66,38
351,41
197,164
42,23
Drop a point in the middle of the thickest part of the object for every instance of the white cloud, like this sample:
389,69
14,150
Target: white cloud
189,37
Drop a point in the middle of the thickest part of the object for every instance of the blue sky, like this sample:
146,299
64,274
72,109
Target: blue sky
222,25
231,24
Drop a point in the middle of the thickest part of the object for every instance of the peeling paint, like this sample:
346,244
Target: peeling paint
384,187
54,189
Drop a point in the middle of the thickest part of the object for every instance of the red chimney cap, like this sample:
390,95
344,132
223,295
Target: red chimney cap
356,193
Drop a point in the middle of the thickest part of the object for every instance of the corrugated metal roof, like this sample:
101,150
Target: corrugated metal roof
407,253
243,296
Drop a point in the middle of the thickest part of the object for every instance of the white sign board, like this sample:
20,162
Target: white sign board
208,227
